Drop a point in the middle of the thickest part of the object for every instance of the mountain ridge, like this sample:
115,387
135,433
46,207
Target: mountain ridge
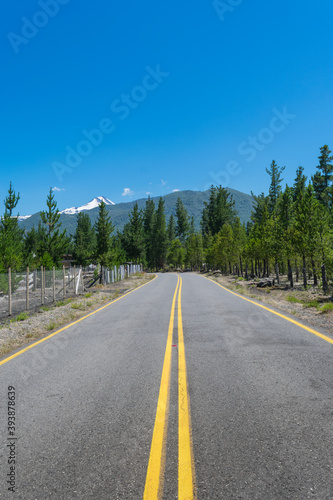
192,200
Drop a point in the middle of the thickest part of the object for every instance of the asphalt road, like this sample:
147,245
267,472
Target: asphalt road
244,410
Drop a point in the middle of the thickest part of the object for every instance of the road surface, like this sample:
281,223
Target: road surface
179,389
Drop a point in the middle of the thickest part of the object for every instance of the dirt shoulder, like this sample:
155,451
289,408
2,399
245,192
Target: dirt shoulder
311,305
26,328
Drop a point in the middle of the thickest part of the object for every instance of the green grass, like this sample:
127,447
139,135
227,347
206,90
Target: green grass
312,303
293,299
88,295
63,302
45,308
22,317
51,326
81,307
326,308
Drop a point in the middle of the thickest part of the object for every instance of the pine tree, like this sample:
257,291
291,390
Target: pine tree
194,251
171,230
104,229
11,236
305,229
286,218
134,237
56,243
218,211
84,240
160,236
322,180
148,226
182,221
299,184
275,186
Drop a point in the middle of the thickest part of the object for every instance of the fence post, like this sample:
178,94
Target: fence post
42,283
74,282
10,290
27,294
53,276
64,280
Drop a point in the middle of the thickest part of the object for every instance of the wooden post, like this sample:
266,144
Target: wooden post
41,284
53,276
74,282
27,291
10,290
64,280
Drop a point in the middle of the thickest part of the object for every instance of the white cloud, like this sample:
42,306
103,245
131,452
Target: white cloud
128,192
57,189
164,182
148,192
175,190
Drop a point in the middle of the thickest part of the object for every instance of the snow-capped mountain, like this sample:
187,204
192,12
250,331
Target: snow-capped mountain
23,217
88,206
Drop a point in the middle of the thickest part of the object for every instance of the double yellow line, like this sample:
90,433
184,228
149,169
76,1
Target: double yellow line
156,465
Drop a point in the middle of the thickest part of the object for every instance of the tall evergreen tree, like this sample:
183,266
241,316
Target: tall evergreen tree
182,220
148,226
218,211
299,184
134,237
104,229
11,236
160,235
171,230
274,171
84,240
322,180
56,242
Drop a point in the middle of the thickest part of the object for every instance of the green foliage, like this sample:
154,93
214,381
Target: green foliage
183,222
52,244
159,236
275,186
326,308
104,229
218,211
22,316
322,180
293,299
134,236
84,240
11,236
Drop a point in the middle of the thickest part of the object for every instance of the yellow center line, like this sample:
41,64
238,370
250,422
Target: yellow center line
186,470
156,465
311,330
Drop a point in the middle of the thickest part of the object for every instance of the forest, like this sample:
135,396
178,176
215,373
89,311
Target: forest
290,233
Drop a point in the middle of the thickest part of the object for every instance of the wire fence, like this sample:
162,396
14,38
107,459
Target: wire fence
30,289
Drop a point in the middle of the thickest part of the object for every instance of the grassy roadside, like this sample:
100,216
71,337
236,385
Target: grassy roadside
310,305
25,328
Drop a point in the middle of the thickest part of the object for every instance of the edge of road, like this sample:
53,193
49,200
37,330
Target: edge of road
277,312
21,350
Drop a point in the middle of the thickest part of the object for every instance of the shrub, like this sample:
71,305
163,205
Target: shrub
326,308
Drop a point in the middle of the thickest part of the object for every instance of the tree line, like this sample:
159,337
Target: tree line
290,232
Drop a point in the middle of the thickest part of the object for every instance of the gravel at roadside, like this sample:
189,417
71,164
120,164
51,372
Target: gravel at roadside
18,332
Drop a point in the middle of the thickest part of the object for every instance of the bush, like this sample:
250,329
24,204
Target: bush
326,308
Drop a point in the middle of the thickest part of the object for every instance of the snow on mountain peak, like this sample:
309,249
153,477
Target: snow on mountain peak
88,206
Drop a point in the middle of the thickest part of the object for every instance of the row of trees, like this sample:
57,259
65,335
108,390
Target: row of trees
290,231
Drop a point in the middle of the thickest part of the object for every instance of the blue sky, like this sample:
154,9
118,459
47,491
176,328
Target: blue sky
122,99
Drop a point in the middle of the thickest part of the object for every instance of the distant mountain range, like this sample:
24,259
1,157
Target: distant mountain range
192,200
